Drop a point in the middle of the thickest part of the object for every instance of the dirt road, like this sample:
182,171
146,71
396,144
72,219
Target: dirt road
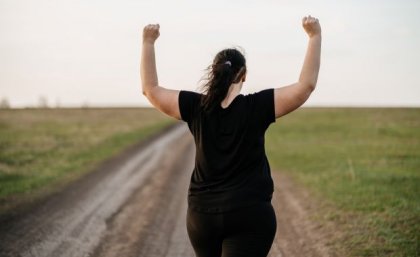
135,205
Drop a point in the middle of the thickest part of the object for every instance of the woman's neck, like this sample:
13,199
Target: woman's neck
233,91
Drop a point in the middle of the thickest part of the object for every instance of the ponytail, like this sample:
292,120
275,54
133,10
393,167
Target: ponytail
228,67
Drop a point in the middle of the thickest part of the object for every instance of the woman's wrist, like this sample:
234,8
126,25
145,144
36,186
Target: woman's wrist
315,36
148,42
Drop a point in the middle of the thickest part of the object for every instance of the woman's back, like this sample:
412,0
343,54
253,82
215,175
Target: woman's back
231,168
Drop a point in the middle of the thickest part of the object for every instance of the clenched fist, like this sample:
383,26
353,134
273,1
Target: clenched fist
151,33
311,26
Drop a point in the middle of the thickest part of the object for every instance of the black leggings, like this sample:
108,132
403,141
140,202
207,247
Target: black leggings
248,231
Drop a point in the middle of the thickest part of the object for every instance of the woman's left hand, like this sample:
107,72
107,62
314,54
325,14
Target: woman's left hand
151,33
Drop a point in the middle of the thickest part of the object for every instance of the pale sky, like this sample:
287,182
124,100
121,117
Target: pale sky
88,52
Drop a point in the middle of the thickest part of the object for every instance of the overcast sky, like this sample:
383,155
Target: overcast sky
78,52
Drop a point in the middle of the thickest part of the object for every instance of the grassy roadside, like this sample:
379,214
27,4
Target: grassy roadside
42,150
366,162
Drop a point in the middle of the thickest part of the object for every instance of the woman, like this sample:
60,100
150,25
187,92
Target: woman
229,197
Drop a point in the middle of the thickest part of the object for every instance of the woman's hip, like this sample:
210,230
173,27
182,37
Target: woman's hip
259,217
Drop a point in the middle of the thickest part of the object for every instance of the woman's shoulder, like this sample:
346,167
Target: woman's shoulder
260,96
261,92
190,93
189,96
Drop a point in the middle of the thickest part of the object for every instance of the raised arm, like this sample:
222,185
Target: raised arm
290,97
165,100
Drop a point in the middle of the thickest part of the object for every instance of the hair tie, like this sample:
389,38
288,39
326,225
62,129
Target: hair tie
228,63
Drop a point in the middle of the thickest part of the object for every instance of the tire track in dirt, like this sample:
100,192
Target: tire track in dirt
152,222
73,222
297,234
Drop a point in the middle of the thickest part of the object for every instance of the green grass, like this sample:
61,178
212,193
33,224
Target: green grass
42,149
365,161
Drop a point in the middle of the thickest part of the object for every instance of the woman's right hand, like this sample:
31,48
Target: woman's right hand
311,26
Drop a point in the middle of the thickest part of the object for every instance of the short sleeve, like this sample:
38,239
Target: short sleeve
263,104
188,102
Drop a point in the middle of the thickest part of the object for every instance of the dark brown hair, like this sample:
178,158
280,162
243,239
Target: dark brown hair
228,67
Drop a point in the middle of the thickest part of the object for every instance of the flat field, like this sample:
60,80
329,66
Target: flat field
365,163
362,163
41,150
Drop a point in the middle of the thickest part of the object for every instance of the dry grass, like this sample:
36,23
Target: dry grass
41,149
366,163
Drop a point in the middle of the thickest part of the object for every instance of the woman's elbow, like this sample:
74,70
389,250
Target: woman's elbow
308,86
305,93
311,87
146,90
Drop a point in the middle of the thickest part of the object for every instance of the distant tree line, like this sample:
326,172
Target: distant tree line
42,104
4,103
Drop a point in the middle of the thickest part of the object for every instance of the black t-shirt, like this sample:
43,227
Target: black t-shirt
231,168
